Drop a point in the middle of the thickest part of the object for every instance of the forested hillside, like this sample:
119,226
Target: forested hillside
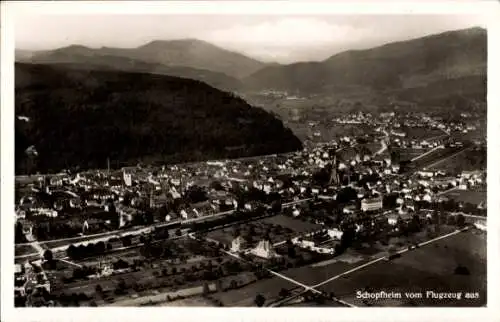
82,117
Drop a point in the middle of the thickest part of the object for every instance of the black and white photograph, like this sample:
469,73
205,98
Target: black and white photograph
248,160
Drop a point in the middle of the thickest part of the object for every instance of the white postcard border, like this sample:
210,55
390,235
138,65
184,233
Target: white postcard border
490,10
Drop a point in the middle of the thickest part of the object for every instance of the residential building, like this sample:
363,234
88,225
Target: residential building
392,220
335,233
481,225
371,204
237,244
264,249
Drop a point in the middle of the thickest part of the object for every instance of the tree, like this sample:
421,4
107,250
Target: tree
90,249
196,194
236,232
48,255
216,185
19,234
100,247
284,292
120,264
260,300
121,287
415,224
276,206
462,270
460,220
71,251
218,286
347,237
346,194
126,241
206,289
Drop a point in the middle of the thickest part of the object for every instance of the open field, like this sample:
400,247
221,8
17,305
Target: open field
470,160
429,268
470,196
195,301
296,225
421,133
179,259
409,153
24,250
151,276
162,297
479,134
224,236
278,228
328,132
348,153
245,296
318,272
193,295
372,146
437,157
355,256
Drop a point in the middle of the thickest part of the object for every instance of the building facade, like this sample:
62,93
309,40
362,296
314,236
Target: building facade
371,204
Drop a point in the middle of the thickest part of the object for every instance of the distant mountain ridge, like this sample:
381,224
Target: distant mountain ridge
190,53
80,117
398,66
21,55
446,69
84,58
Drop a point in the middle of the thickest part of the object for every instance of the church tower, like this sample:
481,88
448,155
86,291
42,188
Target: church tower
334,176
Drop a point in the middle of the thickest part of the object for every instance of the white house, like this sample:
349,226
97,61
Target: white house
427,197
392,220
481,225
237,244
335,233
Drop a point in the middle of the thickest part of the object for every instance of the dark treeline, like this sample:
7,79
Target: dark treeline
82,117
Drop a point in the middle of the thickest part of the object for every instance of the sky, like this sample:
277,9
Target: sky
283,39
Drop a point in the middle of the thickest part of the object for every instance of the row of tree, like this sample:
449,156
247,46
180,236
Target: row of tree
89,250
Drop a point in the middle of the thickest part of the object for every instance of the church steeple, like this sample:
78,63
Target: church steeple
334,176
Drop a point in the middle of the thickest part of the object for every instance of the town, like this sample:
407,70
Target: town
285,228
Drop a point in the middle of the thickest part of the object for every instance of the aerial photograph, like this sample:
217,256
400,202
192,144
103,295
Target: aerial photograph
250,160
